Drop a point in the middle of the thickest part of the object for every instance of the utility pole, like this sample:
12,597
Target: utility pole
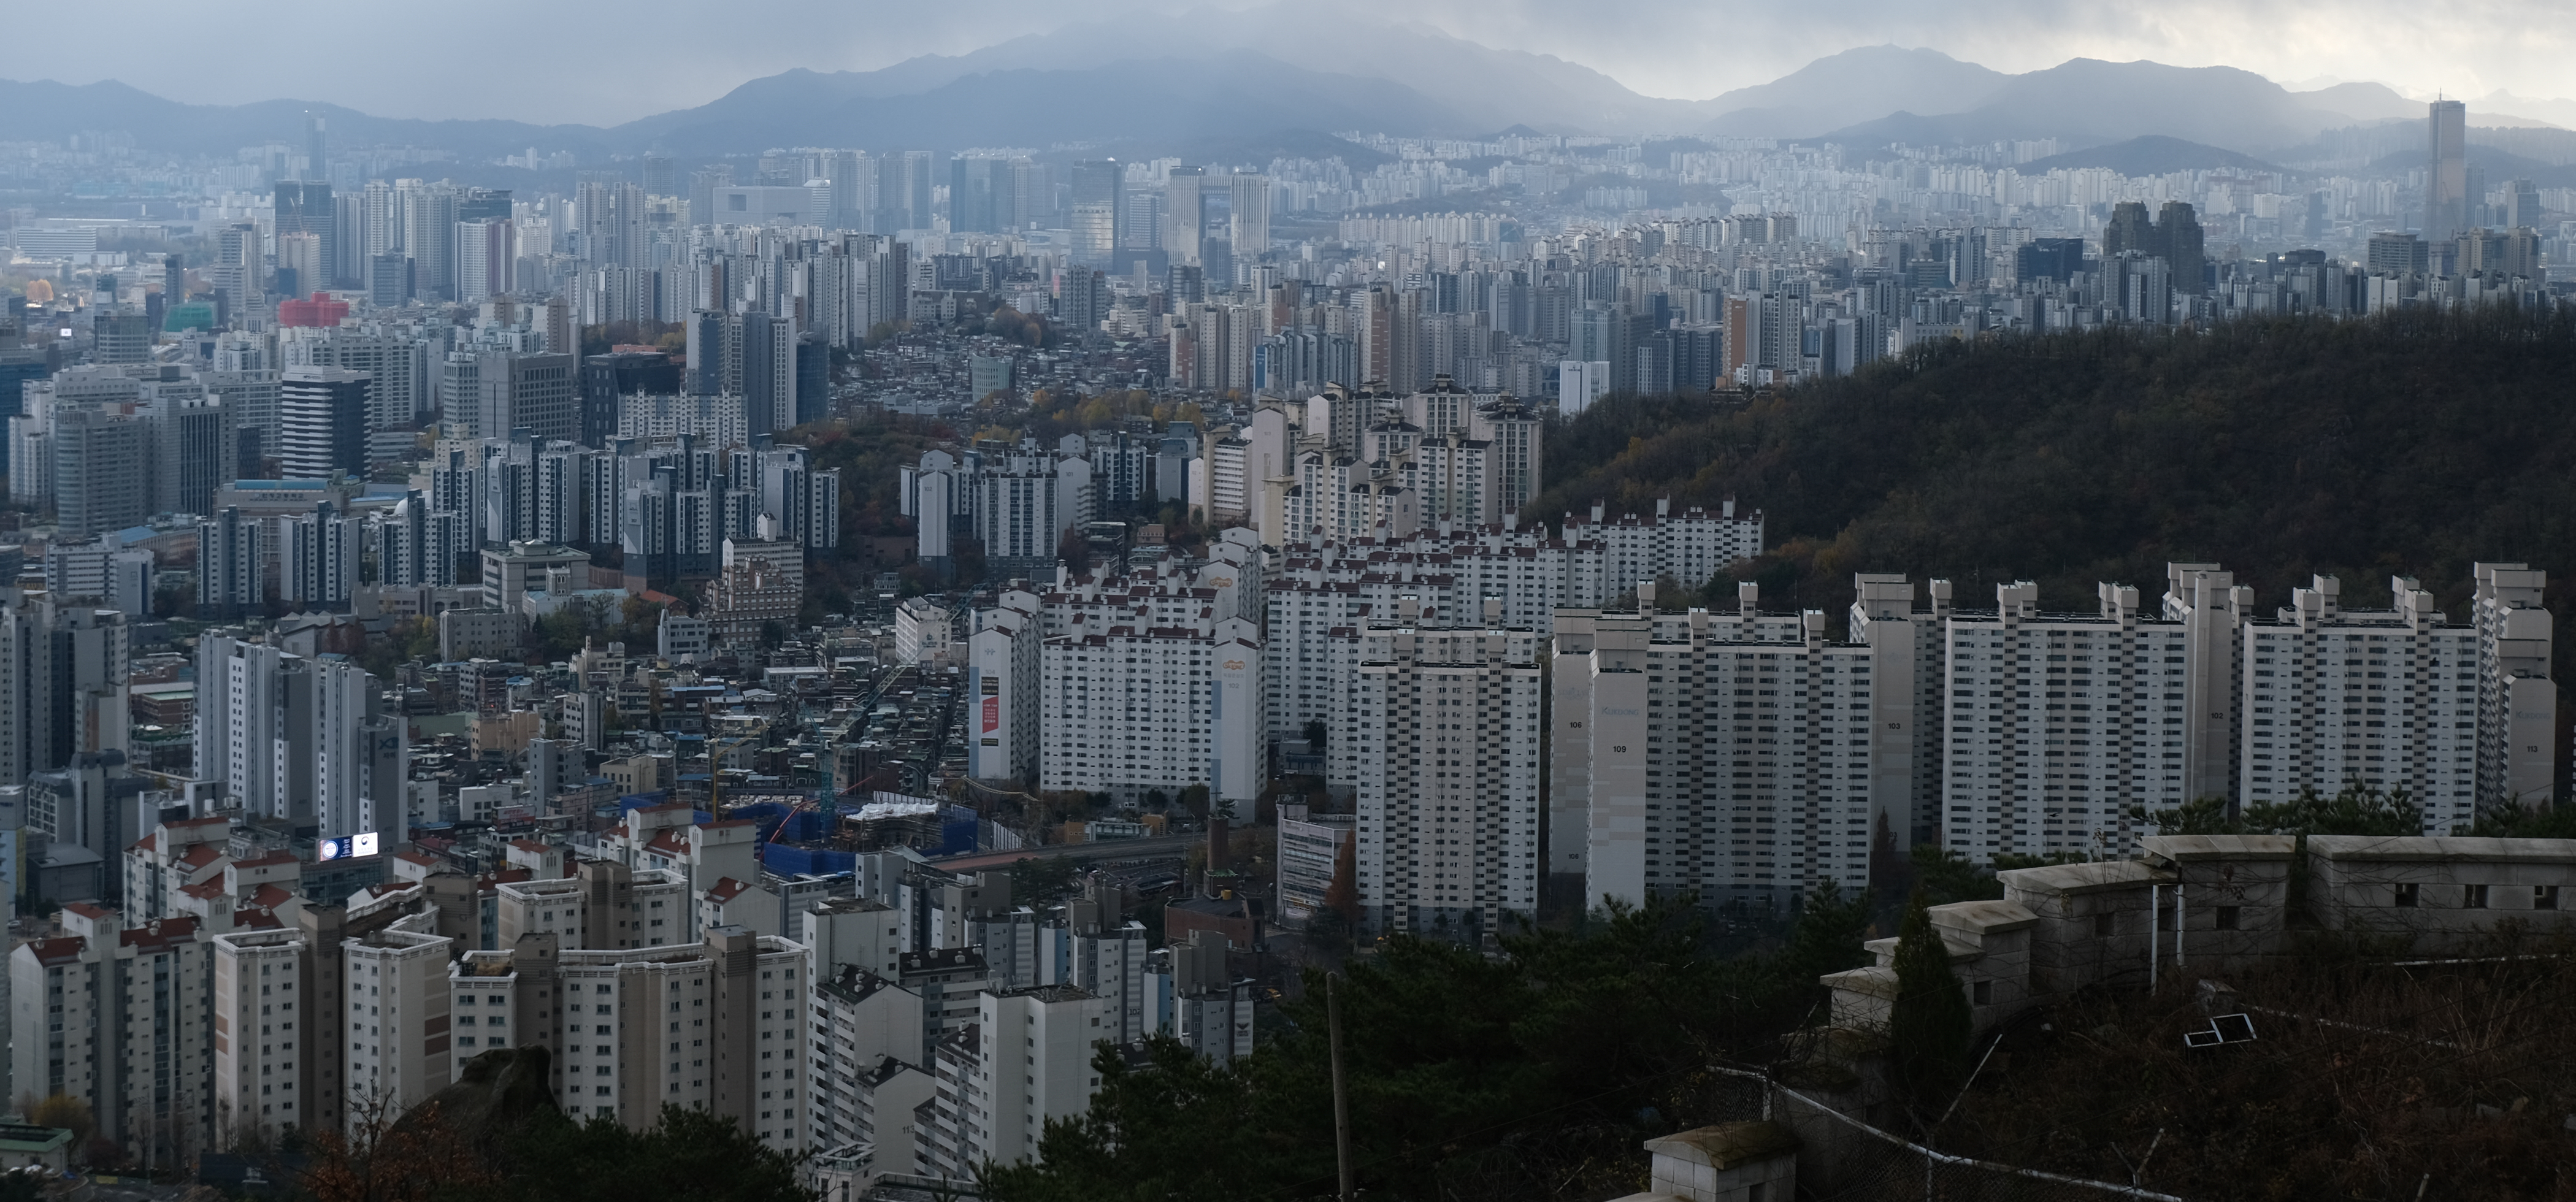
1341,1098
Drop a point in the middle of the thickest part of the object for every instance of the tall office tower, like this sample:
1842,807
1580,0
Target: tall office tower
121,336
102,479
2130,229
322,422
317,159
1098,186
1445,724
537,393
1248,215
2446,183
2178,230
1140,226
1185,215
2392,253
307,208
659,176
229,582
195,450
403,391
2518,710
768,371
2522,205
485,256
318,560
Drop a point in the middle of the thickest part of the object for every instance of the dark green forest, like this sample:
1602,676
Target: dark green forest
2413,444
1534,1073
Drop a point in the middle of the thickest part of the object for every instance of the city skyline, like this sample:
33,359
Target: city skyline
639,71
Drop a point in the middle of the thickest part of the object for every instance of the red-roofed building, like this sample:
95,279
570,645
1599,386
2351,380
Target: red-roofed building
321,312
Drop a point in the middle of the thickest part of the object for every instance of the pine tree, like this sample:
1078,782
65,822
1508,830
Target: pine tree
1929,1033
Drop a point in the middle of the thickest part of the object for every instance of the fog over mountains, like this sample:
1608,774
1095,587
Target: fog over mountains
1269,70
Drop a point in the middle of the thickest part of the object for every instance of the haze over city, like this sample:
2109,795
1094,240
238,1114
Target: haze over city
484,59
801,602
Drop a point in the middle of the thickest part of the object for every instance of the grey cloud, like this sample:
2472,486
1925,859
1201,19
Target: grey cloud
602,64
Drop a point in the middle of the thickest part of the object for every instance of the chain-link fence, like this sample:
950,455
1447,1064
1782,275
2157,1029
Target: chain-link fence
1842,1157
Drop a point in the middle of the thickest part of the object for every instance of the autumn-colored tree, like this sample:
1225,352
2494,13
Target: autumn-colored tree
1342,896
65,1112
392,1156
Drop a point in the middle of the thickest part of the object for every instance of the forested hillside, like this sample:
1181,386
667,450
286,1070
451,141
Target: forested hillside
2415,444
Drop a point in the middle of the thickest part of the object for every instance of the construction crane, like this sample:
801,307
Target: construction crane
716,751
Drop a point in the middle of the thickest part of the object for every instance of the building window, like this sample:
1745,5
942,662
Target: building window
1983,992
2102,925
2473,897
2227,918
2544,897
2406,897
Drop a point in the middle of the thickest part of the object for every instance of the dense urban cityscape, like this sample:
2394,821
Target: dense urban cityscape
944,628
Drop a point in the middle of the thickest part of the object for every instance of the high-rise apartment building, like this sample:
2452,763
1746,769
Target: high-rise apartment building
1444,727
304,740
1726,755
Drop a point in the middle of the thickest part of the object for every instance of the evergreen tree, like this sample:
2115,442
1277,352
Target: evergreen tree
1929,1033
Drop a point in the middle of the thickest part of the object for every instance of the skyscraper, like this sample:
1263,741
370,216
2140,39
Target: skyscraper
317,163
1248,215
306,208
2446,186
322,419
1097,190
658,174
1184,214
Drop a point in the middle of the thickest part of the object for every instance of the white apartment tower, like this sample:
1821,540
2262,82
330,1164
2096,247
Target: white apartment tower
1130,710
1729,756
2386,697
2059,724
1446,727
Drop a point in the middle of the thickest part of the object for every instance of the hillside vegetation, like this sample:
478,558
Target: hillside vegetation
2413,444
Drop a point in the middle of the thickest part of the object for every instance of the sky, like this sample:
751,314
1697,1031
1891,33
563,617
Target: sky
591,63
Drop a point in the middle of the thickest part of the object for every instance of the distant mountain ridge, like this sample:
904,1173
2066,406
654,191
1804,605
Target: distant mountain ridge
1207,77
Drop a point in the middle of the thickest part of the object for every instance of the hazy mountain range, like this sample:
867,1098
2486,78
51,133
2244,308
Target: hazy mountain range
1212,76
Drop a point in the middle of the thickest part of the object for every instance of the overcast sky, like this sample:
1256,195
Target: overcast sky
601,64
